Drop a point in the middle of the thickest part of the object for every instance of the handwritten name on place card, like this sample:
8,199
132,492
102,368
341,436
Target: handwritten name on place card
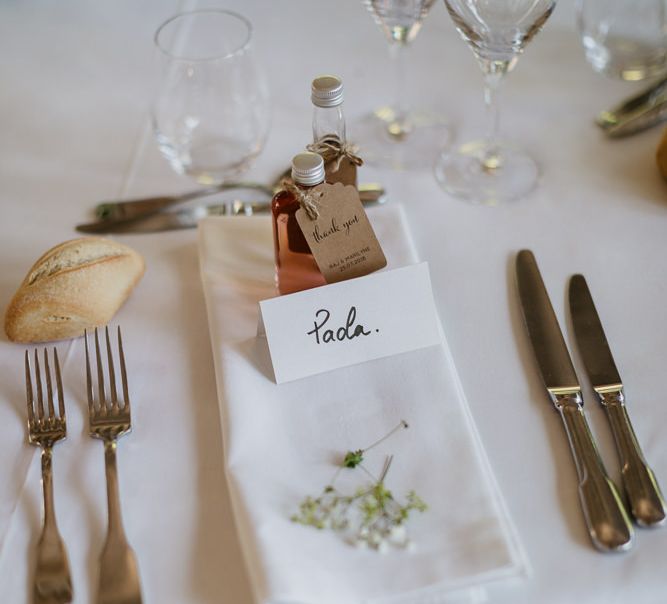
350,322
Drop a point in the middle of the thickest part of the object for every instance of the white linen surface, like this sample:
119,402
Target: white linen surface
283,442
76,130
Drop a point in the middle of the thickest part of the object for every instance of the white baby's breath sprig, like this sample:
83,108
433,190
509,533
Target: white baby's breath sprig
370,518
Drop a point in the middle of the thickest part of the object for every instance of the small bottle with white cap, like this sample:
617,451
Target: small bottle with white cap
296,268
329,129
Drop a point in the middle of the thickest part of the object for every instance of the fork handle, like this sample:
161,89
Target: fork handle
52,576
119,575
115,527
47,486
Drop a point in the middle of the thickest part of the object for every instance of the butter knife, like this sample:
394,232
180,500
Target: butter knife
638,113
606,519
187,218
647,504
158,222
134,208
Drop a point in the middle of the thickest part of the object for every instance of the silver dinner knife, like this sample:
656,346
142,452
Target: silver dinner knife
608,524
647,504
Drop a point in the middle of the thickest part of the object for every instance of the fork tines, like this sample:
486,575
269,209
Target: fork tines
39,418
106,404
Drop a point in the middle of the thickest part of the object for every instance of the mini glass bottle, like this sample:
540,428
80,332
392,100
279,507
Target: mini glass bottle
329,121
296,268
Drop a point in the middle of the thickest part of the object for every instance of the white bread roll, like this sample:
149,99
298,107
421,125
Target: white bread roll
77,285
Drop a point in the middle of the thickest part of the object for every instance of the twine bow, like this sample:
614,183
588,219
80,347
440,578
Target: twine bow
306,199
330,147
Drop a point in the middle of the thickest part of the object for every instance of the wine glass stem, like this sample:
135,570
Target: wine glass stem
494,72
399,126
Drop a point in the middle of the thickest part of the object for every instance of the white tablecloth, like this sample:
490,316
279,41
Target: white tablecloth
73,108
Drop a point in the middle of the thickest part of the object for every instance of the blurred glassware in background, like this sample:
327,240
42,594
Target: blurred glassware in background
490,171
624,39
397,136
211,112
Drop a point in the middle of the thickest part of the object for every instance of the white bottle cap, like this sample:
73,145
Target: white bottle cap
327,91
308,169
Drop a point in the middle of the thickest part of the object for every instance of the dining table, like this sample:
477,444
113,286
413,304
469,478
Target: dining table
78,78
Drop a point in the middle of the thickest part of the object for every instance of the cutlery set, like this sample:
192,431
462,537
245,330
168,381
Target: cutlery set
109,418
604,511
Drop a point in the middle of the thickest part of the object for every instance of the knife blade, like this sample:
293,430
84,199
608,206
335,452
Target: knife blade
606,519
545,335
647,503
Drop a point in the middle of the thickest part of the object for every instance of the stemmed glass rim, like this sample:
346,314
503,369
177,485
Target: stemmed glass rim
240,49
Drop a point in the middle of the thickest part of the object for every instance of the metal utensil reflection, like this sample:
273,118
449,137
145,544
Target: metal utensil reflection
636,114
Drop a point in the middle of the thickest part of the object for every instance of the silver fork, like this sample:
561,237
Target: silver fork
109,419
53,582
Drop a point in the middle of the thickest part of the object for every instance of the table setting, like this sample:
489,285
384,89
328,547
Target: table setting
343,337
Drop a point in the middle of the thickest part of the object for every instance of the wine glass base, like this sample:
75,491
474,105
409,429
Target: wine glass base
383,143
463,174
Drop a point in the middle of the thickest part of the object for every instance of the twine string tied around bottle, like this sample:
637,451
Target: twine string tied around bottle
330,147
306,198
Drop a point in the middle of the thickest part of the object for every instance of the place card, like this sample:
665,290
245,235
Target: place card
350,322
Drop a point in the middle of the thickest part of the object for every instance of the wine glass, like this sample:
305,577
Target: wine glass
211,110
624,39
396,135
491,171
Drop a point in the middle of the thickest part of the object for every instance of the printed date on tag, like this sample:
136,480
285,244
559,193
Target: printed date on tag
341,238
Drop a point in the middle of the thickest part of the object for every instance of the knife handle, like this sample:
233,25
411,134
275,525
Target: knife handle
608,524
646,501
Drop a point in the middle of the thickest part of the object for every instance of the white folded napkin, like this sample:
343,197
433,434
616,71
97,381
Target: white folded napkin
284,442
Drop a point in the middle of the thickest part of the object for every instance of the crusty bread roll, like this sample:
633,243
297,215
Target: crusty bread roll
74,286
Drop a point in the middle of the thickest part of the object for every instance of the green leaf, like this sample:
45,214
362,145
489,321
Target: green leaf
353,458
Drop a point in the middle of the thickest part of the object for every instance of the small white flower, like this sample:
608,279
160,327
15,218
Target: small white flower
398,535
375,539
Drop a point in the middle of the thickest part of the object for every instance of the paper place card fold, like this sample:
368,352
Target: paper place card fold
350,322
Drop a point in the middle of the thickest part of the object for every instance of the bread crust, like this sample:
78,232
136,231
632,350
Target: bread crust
76,285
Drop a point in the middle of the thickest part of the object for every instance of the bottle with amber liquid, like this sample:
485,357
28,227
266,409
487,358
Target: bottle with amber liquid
296,268
329,122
